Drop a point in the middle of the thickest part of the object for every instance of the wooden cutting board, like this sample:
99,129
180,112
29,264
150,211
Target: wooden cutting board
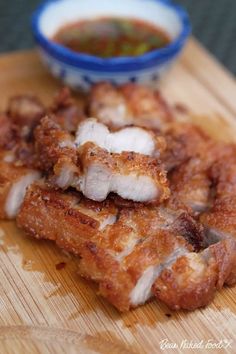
45,307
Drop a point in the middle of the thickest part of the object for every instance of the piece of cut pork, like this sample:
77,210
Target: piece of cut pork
191,182
129,256
127,139
17,157
128,104
220,218
66,111
184,141
25,111
95,171
14,181
53,143
192,280
110,252
130,175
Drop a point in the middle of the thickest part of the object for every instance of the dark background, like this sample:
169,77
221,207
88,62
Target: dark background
214,24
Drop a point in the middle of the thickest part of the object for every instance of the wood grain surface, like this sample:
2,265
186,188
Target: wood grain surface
45,307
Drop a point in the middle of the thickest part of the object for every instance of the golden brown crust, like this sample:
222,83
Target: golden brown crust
25,111
190,184
40,223
220,224
184,141
221,217
117,240
128,104
126,163
224,254
57,153
65,111
10,173
192,282
193,180
52,143
148,107
188,294
118,279
116,256
114,283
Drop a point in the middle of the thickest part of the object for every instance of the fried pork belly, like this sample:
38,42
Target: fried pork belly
192,280
130,175
192,183
127,139
184,141
16,130
128,104
52,144
65,111
220,224
220,219
110,254
95,171
17,158
77,218
14,181
15,149
129,251
207,184
127,281
25,111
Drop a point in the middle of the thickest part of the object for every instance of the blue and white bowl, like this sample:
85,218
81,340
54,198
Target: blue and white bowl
82,70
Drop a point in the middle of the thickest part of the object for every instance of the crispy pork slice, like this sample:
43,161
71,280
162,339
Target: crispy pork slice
14,181
13,148
183,142
65,111
220,219
52,143
111,252
66,218
127,281
17,158
109,106
125,250
220,225
192,280
16,129
128,104
174,217
130,175
190,184
95,171
127,139
25,111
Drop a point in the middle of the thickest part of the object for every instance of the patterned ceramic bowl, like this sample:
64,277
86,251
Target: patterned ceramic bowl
81,70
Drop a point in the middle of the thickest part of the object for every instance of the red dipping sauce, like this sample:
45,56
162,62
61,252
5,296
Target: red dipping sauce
112,37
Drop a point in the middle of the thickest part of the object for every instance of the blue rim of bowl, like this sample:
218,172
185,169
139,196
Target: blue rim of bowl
119,64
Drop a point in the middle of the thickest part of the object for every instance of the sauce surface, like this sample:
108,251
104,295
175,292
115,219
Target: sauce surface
112,37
